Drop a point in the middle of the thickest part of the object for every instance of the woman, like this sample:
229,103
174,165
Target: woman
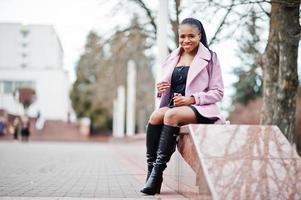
16,125
191,86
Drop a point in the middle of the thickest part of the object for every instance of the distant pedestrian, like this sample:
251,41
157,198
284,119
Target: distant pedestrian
17,128
2,126
39,123
191,86
25,125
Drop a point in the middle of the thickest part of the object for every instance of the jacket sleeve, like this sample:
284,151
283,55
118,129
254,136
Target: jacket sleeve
158,95
215,91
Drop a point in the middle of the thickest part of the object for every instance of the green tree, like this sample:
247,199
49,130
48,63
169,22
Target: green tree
83,97
103,67
249,73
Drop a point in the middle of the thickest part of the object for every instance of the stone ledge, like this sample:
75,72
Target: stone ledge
234,162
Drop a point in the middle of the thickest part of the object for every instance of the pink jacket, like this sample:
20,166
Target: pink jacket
206,91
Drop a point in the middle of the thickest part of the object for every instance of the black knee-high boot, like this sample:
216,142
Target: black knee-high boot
153,133
166,148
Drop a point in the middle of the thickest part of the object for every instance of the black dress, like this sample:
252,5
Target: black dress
178,85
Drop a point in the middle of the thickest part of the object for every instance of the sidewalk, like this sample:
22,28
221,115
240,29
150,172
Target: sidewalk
74,170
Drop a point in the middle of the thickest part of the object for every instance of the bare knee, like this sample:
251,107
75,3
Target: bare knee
171,117
156,117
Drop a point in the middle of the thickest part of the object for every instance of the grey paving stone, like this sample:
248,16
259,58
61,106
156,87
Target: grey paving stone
68,171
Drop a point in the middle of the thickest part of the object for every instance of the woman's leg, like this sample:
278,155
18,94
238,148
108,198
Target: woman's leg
172,119
179,116
153,133
158,115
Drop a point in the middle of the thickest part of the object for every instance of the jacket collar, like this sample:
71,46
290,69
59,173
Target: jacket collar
199,62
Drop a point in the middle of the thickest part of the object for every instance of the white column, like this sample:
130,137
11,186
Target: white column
131,99
162,24
120,112
114,117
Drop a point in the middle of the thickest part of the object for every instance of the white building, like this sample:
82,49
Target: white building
31,56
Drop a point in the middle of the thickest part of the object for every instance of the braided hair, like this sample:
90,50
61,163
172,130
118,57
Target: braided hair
199,26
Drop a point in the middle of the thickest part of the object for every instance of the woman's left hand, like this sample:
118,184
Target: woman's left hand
180,100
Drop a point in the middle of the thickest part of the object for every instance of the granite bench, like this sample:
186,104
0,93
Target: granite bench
234,162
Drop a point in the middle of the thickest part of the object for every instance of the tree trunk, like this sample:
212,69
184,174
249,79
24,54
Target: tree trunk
175,23
280,68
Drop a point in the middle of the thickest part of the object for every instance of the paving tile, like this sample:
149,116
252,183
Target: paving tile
72,170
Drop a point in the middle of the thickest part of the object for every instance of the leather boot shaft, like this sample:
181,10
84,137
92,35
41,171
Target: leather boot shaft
166,147
153,133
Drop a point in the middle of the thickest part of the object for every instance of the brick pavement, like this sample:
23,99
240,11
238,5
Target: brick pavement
46,170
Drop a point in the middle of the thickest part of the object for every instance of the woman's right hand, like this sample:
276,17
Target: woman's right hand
162,86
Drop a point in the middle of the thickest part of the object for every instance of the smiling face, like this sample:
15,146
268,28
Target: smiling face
189,37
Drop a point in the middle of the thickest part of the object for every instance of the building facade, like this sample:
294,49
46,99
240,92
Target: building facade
31,56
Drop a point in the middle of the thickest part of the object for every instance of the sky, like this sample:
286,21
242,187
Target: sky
74,19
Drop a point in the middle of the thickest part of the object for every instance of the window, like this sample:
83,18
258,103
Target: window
24,44
1,87
24,32
9,87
